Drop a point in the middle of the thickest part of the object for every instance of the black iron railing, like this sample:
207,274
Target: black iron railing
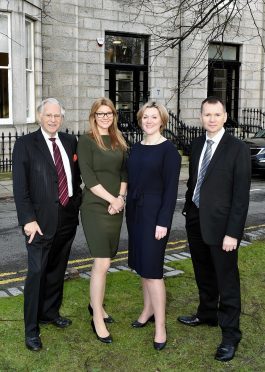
253,119
177,131
7,144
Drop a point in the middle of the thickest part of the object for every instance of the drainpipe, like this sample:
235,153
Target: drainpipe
179,68
261,102
179,77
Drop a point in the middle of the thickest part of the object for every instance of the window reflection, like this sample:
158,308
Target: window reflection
124,49
4,61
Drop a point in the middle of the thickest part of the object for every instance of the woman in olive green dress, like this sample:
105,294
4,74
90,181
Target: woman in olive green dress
101,157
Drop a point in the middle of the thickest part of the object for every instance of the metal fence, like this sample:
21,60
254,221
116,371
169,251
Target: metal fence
177,131
253,119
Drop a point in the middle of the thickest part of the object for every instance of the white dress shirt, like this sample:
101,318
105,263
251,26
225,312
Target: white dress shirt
65,159
216,140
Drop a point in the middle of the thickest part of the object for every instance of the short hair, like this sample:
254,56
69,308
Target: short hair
54,101
161,109
213,100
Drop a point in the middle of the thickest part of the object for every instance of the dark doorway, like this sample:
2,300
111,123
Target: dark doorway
223,77
126,74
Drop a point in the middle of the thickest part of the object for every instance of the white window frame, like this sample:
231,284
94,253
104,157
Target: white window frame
30,110
9,68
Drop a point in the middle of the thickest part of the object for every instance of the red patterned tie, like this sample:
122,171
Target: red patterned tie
62,180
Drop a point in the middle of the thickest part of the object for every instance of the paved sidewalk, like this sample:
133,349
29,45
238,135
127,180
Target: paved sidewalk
6,186
6,189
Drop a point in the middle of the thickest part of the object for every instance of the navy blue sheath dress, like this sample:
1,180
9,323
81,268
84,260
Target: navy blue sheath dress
153,174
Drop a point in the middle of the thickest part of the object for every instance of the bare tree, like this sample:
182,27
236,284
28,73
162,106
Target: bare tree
185,22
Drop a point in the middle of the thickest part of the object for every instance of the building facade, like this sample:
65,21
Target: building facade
80,50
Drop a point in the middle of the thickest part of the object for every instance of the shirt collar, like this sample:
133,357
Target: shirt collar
217,138
47,136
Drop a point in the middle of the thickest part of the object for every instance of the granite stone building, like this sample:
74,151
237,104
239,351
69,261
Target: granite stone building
79,50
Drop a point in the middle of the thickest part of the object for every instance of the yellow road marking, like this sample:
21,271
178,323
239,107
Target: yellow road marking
7,274
13,280
254,227
79,267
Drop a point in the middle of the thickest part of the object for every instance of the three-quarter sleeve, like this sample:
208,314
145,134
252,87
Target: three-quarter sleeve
85,160
170,177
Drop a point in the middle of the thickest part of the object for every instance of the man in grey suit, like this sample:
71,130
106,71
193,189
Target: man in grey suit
46,183
216,208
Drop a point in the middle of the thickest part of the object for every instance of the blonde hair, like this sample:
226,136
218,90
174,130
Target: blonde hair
116,138
162,112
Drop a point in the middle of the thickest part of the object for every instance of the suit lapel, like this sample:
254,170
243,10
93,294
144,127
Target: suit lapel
197,154
217,154
42,146
68,148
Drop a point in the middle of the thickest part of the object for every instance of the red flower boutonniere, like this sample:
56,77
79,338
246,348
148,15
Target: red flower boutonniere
75,158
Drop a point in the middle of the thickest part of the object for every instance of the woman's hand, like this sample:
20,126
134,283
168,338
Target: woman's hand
116,205
160,232
111,210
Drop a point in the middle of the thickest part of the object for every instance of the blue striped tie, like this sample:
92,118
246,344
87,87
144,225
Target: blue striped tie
205,162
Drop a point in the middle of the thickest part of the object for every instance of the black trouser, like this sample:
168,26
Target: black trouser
217,276
47,261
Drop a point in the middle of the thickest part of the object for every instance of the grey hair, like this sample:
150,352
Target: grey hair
40,108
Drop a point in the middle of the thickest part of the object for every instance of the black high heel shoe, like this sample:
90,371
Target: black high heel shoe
137,324
106,340
159,345
109,318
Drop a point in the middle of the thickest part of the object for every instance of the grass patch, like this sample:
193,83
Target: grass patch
188,349
5,176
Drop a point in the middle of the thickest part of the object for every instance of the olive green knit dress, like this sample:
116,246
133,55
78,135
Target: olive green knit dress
107,168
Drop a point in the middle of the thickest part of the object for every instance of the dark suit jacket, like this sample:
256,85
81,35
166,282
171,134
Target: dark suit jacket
224,195
35,181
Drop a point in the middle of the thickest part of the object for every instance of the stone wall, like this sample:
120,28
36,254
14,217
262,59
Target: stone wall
73,62
18,11
251,79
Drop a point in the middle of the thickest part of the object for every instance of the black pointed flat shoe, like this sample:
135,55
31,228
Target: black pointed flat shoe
108,319
105,340
136,324
159,345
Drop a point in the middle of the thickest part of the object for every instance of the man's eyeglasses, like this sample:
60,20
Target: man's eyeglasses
101,115
55,117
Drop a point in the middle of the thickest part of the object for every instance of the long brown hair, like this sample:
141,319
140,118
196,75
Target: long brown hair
116,138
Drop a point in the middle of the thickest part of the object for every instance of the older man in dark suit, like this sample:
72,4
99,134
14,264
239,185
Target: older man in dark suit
216,208
46,182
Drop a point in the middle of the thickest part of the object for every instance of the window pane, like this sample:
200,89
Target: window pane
4,103
123,49
107,83
3,40
28,46
223,52
3,59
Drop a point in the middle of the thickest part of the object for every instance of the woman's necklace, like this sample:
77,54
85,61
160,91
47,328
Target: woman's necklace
153,143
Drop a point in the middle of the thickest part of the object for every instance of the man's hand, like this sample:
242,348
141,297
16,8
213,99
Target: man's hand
229,244
31,229
160,232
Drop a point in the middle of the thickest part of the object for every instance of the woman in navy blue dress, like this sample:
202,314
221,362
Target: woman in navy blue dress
153,174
